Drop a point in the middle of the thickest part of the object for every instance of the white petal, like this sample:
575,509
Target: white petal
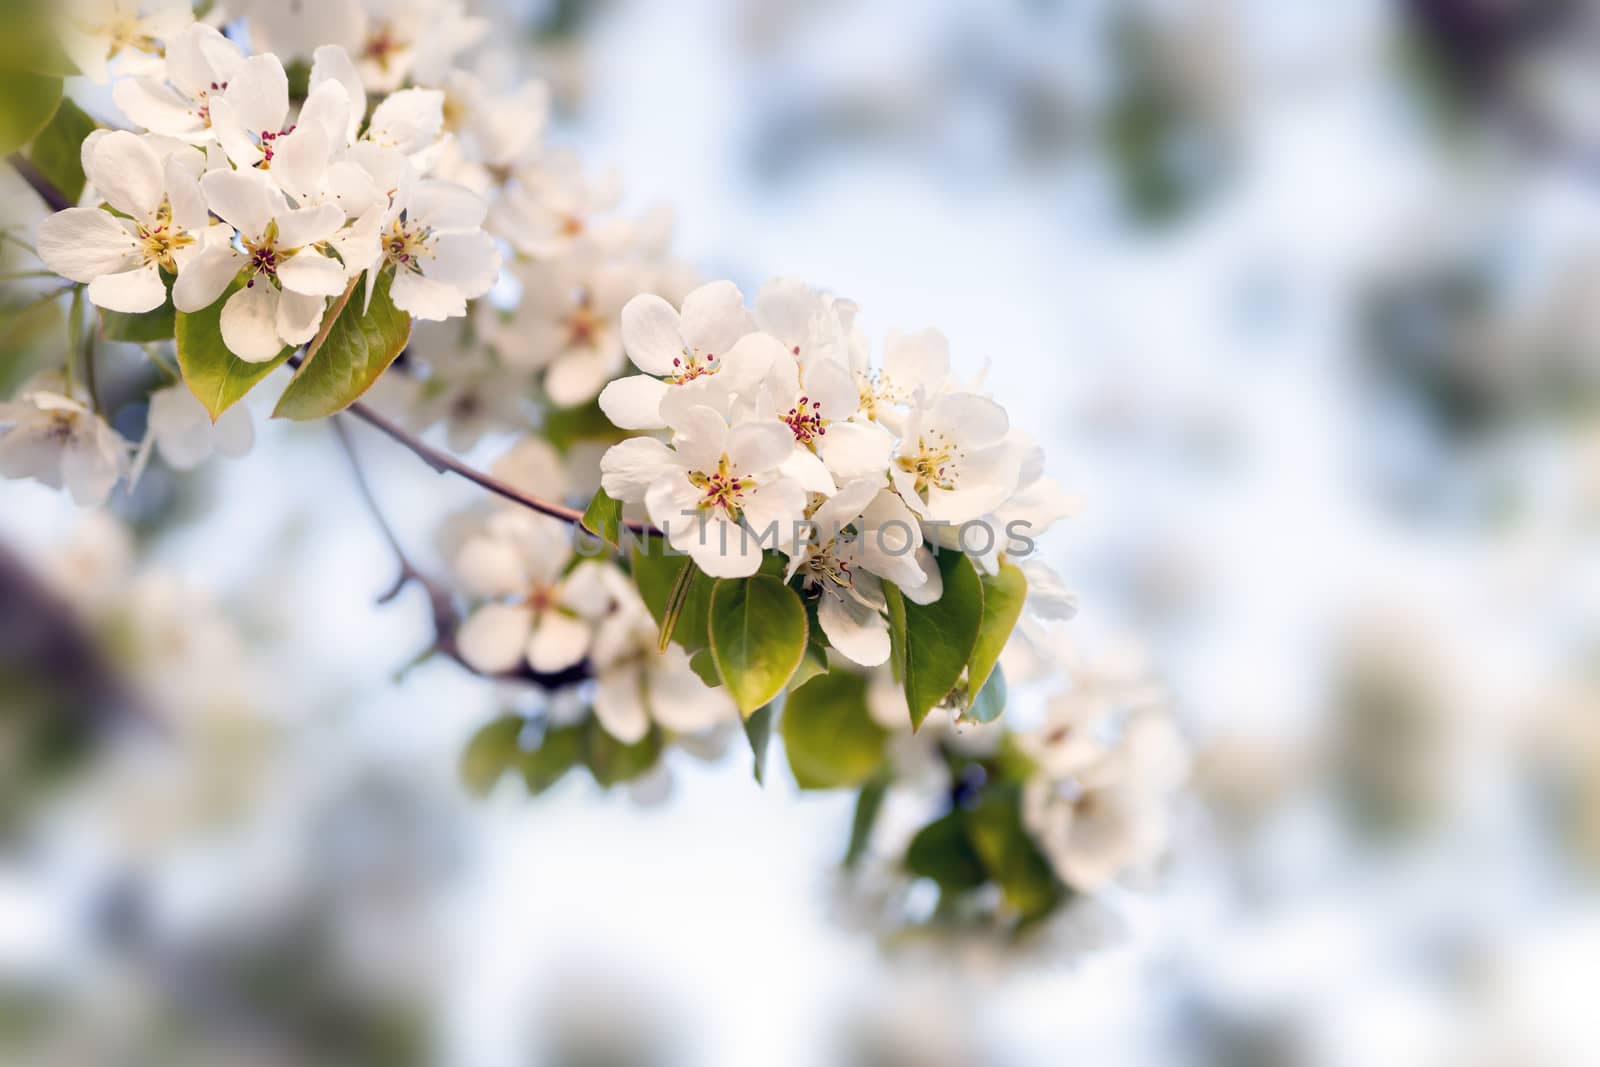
206,277
631,467
157,107
491,567
754,447
312,273
578,377
182,427
974,420
296,229
619,704
804,467
240,198
855,449
494,637
249,323
134,291
714,317
748,361
327,108
426,299
857,631
299,316
446,206
559,641
84,243
634,402
330,62
467,262
228,127
259,94
128,174
409,121
300,162
774,509
650,334
680,701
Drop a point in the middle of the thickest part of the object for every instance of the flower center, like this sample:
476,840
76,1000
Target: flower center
382,45
805,421
204,111
406,245
265,141
721,489
874,389
582,325
930,464
264,255
159,242
822,568
689,367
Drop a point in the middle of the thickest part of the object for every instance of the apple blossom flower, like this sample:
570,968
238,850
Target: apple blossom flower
915,367
817,400
952,463
432,235
717,492
54,439
122,258
565,324
548,209
708,349
200,62
96,32
538,611
288,280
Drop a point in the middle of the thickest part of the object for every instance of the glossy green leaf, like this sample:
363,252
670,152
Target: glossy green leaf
217,377
758,731
27,102
144,328
358,348
829,735
930,644
757,632
990,701
30,41
705,667
603,518
1003,595
814,662
491,752
942,852
655,572
1012,860
58,149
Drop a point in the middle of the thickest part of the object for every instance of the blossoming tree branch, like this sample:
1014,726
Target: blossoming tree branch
716,510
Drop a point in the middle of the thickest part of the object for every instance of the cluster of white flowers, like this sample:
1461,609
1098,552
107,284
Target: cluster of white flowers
1108,761
306,204
775,430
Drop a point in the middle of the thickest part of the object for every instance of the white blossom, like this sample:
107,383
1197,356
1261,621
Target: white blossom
58,441
184,432
200,63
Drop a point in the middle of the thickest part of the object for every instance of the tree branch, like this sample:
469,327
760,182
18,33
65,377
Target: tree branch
54,198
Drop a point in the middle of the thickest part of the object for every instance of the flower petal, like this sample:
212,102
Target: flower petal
634,402
650,334
312,273
249,323
628,469
494,637
127,174
205,277
714,317
559,641
135,291
299,315
619,704
858,632
240,198
84,243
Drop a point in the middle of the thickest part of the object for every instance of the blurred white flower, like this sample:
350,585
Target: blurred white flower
95,32
185,434
58,441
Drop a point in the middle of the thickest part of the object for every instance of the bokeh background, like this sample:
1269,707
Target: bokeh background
1302,301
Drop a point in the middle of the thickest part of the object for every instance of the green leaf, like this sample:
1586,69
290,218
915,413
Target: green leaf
356,350
490,753
58,149
1003,595
565,427
757,632
27,101
990,701
868,803
815,661
158,325
942,852
655,572
612,762
217,377
930,644
603,518
677,596
560,750
30,41
829,735
994,826
703,665
758,730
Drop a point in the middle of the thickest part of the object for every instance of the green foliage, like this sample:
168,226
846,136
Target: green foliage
143,328
757,634
942,852
217,377
758,731
565,427
990,701
828,733
1013,861
560,750
29,42
27,102
612,762
603,518
656,571
357,349
931,643
1003,596
58,149
492,751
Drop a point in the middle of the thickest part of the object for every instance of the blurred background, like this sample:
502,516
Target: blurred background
1303,301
